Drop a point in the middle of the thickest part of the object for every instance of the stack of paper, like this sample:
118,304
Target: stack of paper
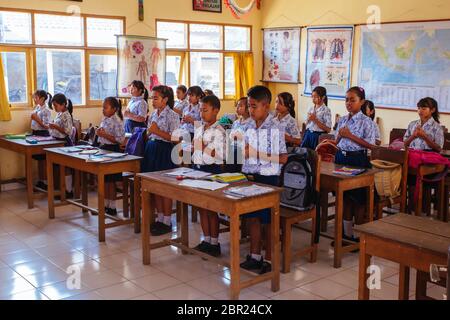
98,159
201,184
178,172
248,191
344,171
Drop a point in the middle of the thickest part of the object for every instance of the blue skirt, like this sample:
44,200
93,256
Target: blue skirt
361,160
158,156
311,139
264,214
131,124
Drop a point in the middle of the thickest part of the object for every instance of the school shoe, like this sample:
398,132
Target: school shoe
69,195
41,185
214,250
203,247
252,264
160,229
111,212
266,267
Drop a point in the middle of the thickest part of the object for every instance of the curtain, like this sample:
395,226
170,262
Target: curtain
243,73
182,64
5,112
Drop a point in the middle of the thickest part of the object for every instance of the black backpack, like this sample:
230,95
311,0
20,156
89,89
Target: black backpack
298,180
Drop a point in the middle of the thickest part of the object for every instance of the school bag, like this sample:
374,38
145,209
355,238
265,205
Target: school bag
298,180
136,144
388,180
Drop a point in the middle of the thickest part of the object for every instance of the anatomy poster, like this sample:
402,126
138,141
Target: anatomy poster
140,58
282,55
329,60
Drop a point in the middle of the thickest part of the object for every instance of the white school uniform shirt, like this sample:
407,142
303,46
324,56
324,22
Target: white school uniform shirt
432,128
214,138
323,114
181,104
239,127
194,112
113,126
167,121
289,125
45,114
63,120
359,125
138,106
269,139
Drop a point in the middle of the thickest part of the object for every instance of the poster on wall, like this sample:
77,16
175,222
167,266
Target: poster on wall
140,58
281,55
207,5
404,62
329,60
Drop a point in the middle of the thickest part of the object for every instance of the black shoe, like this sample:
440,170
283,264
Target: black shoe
214,250
252,264
161,229
154,226
203,247
112,212
41,185
266,267
69,195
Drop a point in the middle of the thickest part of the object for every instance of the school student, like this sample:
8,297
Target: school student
285,118
191,113
237,134
182,101
61,129
111,135
209,92
354,136
369,110
426,133
318,120
136,111
40,118
209,154
265,153
158,151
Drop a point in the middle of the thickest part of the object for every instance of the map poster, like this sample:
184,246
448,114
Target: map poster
404,62
329,60
140,58
281,55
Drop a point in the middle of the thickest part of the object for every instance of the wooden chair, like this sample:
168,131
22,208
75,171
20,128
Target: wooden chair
289,217
395,156
326,136
396,133
446,141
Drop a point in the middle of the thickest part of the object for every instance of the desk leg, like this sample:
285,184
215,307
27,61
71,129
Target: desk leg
84,190
136,185
101,208
184,224
235,286
50,188
421,285
275,248
146,199
29,177
370,198
403,287
364,262
77,184
338,228
62,183
418,209
324,211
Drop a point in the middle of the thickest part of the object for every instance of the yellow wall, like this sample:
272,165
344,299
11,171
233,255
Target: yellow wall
284,13
12,164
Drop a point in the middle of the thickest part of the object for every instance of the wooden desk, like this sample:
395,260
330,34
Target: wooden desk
413,242
217,201
339,184
28,150
78,162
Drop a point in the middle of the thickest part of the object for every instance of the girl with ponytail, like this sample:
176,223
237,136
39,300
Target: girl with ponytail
136,111
285,118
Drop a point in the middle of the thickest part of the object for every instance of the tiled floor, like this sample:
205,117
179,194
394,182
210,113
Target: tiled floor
40,258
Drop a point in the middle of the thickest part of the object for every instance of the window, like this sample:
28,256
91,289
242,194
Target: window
207,48
15,27
61,71
59,53
15,69
102,32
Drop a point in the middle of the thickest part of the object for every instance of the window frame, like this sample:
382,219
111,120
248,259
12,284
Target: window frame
223,52
30,49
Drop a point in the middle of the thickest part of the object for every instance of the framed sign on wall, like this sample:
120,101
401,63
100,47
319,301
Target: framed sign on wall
207,5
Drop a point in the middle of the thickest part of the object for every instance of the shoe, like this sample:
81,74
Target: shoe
69,195
41,185
203,247
214,250
154,226
346,241
251,264
266,267
112,212
161,229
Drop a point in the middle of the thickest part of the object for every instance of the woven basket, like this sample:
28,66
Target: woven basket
388,180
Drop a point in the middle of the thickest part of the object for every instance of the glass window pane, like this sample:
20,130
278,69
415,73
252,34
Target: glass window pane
230,89
15,69
205,71
205,36
59,30
237,38
102,32
61,71
175,33
172,71
103,73
15,27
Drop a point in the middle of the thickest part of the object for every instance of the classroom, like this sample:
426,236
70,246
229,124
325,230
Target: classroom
224,150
